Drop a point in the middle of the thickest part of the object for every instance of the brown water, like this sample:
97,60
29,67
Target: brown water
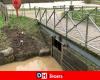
33,64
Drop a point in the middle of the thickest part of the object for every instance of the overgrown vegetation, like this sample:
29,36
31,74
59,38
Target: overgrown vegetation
80,14
1,22
26,24
21,34
4,42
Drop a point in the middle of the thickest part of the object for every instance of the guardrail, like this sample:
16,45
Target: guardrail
88,15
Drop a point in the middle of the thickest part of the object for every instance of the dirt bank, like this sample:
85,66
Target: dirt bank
23,44
24,37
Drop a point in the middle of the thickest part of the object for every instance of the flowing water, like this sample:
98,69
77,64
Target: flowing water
33,64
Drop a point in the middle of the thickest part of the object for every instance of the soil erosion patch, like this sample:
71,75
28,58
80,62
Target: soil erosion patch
23,44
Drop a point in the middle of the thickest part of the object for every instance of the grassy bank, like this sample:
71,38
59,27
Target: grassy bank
26,24
80,14
1,22
4,42
23,36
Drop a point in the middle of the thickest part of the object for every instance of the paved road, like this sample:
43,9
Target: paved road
51,4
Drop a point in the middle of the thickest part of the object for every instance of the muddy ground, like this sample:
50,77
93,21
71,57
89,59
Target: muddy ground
34,64
24,45
29,48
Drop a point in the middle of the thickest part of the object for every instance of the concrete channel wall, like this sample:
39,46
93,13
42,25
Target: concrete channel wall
69,59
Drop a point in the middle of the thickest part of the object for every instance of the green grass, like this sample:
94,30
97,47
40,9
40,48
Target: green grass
4,42
77,15
27,24
1,22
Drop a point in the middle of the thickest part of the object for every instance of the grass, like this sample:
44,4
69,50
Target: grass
77,15
4,42
27,24
1,22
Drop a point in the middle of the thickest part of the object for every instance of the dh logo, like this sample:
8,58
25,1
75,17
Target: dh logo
42,75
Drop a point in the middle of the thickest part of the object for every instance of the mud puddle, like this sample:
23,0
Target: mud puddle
33,64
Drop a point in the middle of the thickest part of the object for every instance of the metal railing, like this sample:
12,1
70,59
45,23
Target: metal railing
88,16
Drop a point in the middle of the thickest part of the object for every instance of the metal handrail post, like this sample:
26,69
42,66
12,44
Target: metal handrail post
66,16
64,9
46,17
40,14
96,14
82,12
87,27
54,19
66,24
50,17
35,11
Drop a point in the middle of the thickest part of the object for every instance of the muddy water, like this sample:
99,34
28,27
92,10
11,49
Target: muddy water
33,64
